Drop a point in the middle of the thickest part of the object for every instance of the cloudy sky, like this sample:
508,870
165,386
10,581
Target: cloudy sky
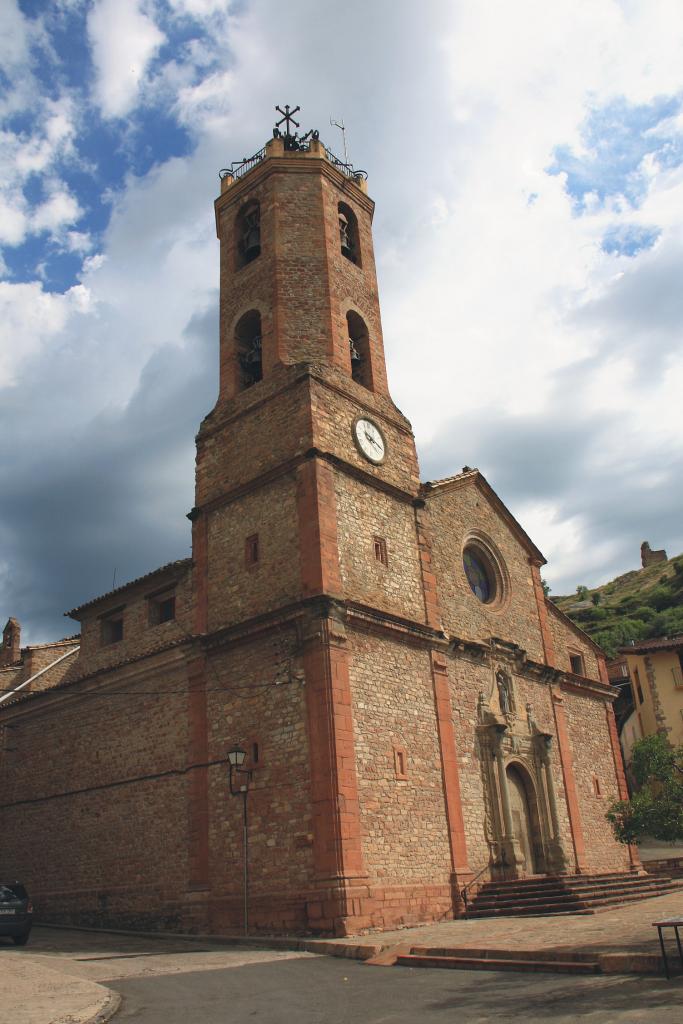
527,163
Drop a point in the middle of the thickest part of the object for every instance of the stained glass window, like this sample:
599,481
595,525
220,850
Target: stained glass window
478,576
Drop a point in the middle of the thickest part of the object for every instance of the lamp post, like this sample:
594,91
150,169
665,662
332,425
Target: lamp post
236,758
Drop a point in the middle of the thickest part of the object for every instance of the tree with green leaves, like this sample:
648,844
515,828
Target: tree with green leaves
656,807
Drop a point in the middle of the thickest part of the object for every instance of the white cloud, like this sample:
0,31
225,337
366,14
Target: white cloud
14,36
25,156
93,262
30,318
78,241
201,8
60,210
13,220
124,40
205,104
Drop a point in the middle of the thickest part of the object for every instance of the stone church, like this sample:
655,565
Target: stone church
414,715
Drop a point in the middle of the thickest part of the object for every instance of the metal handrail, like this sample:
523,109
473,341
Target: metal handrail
239,167
486,867
348,169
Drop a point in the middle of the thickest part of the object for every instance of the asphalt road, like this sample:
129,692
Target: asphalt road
321,990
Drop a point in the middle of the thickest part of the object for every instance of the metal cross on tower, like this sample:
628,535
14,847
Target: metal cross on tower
287,116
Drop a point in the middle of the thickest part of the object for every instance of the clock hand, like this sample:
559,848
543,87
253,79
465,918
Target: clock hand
372,440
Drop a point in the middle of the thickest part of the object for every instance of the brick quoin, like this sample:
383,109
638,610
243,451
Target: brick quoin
372,686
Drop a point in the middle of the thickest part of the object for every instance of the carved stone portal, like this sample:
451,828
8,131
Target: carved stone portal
522,821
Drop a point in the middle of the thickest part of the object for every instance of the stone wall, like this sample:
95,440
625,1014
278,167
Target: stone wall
94,807
453,514
237,587
362,516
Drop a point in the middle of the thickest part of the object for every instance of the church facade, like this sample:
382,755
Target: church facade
415,714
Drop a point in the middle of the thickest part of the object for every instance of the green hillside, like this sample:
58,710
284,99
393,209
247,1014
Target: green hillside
638,605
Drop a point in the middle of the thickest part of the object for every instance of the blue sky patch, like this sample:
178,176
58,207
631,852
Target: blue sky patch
616,137
104,151
629,239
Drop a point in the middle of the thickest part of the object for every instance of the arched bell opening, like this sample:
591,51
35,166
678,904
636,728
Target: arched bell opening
526,821
248,233
349,240
248,349
359,350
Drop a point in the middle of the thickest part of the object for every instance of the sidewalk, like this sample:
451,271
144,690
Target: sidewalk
31,993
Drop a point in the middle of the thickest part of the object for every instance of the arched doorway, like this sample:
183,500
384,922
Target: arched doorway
524,813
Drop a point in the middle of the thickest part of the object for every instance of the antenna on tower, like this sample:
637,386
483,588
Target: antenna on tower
342,127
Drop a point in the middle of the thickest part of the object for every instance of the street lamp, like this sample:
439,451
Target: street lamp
236,758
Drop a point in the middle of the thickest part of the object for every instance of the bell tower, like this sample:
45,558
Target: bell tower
302,367
297,268
308,509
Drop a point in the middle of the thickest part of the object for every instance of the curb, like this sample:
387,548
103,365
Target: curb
110,1006
325,947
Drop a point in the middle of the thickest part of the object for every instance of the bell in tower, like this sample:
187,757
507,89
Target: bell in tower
249,243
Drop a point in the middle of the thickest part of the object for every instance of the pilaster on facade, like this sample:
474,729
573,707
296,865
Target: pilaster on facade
337,852
568,778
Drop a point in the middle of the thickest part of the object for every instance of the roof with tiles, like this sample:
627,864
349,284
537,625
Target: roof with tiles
171,568
658,643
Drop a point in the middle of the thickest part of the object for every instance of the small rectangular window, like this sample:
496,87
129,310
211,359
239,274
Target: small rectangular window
400,763
639,688
576,661
596,786
112,630
254,749
251,549
381,550
161,608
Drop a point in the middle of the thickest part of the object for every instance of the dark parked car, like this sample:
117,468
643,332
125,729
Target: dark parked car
16,912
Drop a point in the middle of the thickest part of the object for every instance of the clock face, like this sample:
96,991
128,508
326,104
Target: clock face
370,440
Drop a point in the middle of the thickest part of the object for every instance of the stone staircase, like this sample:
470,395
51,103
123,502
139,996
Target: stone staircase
564,894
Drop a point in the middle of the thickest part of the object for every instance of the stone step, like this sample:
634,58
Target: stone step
564,894
555,879
488,953
569,906
463,963
570,895
571,882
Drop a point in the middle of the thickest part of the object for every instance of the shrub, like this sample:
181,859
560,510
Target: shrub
660,598
656,809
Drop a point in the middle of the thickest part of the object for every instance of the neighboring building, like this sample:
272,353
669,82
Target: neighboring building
618,675
34,667
656,671
631,732
413,709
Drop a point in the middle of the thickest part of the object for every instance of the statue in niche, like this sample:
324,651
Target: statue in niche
505,698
